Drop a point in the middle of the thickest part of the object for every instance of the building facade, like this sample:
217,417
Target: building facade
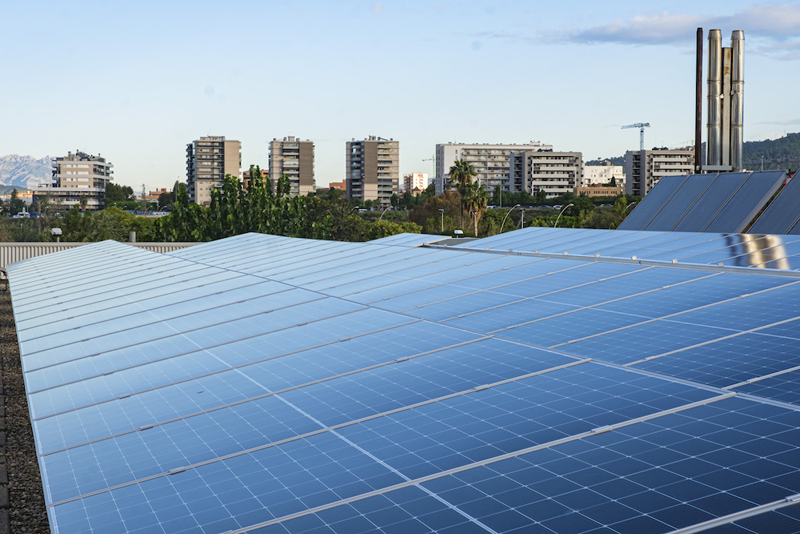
416,181
602,174
491,163
644,168
295,159
246,177
555,173
599,190
208,160
76,176
373,169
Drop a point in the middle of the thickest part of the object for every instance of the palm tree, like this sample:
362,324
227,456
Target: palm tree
461,174
475,199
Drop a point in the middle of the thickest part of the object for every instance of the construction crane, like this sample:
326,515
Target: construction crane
641,126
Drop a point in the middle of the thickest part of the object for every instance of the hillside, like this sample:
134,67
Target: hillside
25,171
783,153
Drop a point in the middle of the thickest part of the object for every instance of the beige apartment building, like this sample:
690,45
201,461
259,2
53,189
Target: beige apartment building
75,176
373,169
644,168
555,173
208,160
491,163
415,183
295,159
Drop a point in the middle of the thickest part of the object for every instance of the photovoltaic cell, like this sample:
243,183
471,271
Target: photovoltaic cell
749,199
681,202
711,202
650,205
782,214
255,379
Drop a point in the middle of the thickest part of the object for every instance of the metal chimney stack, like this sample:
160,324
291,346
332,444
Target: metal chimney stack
737,100
714,97
725,103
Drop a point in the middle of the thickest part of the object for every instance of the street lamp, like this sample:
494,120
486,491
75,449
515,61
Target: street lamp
522,217
630,206
475,219
442,212
382,214
562,211
506,217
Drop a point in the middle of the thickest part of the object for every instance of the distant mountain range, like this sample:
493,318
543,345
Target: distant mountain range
782,153
25,172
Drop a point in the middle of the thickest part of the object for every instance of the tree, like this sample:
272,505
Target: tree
83,202
116,192
475,198
16,205
461,174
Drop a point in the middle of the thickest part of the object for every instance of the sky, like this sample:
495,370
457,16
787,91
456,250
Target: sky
138,81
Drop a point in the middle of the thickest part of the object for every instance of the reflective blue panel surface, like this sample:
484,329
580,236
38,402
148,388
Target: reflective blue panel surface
680,203
751,197
711,202
651,204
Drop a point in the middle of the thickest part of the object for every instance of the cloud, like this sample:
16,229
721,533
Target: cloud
377,8
787,122
773,27
775,22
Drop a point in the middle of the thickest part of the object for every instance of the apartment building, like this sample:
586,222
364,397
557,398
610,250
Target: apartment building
246,177
75,176
602,174
644,168
373,169
555,173
491,163
295,159
208,160
415,181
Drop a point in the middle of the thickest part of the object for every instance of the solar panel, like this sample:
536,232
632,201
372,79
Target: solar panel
782,214
711,202
650,205
749,199
264,383
681,202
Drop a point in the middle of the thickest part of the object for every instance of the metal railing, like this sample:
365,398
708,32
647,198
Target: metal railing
11,252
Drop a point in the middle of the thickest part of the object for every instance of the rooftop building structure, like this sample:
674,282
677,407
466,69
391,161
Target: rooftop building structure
295,159
208,160
373,169
491,163
76,177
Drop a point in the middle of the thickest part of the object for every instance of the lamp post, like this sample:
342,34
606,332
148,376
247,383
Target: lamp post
630,206
503,225
475,220
522,218
562,211
442,212
384,213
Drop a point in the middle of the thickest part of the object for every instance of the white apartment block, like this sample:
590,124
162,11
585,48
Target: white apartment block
644,168
555,173
295,159
78,175
491,163
208,160
417,180
602,174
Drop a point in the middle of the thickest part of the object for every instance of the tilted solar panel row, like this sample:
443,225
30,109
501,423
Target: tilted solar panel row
262,383
724,202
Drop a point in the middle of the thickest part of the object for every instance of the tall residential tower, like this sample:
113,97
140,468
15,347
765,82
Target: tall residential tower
295,159
373,169
208,160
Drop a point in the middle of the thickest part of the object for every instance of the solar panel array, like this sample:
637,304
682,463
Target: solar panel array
269,384
782,216
724,202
